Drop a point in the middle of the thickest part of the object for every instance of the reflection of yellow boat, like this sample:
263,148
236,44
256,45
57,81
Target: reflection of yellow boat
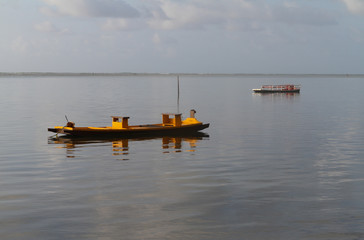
121,128
120,145
69,139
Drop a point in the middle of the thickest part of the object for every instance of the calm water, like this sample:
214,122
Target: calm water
272,166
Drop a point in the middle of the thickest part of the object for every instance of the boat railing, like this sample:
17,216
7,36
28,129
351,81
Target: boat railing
281,87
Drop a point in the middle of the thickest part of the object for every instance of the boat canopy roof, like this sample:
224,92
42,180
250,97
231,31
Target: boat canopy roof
175,114
119,117
281,85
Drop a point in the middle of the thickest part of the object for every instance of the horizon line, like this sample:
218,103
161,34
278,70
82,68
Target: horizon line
2,74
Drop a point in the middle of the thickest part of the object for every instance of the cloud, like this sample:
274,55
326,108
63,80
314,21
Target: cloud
165,40
165,45
49,28
122,24
20,45
355,6
170,15
233,15
116,24
292,13
45,27
90,8
156,39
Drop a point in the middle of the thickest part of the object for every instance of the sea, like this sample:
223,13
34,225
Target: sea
270,166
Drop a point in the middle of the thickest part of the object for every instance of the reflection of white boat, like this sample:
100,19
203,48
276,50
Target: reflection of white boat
121,128
286,88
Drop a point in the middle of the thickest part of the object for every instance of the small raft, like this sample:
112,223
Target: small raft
172,123
287,88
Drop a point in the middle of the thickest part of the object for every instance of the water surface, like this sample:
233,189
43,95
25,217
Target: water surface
274,166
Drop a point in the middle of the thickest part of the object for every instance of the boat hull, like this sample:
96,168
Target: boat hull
285,88
276,91
151,130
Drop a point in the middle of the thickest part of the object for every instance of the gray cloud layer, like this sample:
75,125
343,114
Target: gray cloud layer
172,15
90,8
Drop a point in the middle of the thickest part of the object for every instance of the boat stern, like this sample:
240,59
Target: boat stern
60,129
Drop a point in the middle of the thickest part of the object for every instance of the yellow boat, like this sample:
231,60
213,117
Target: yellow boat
172,123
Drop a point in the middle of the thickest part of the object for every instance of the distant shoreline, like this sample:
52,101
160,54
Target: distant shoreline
71,74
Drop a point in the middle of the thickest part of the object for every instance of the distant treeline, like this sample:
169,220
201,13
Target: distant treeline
65,74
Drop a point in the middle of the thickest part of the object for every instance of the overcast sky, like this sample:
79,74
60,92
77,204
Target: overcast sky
182,36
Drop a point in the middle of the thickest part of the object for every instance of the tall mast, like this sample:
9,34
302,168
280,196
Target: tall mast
177,93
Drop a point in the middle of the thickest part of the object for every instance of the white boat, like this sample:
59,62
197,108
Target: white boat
286,88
